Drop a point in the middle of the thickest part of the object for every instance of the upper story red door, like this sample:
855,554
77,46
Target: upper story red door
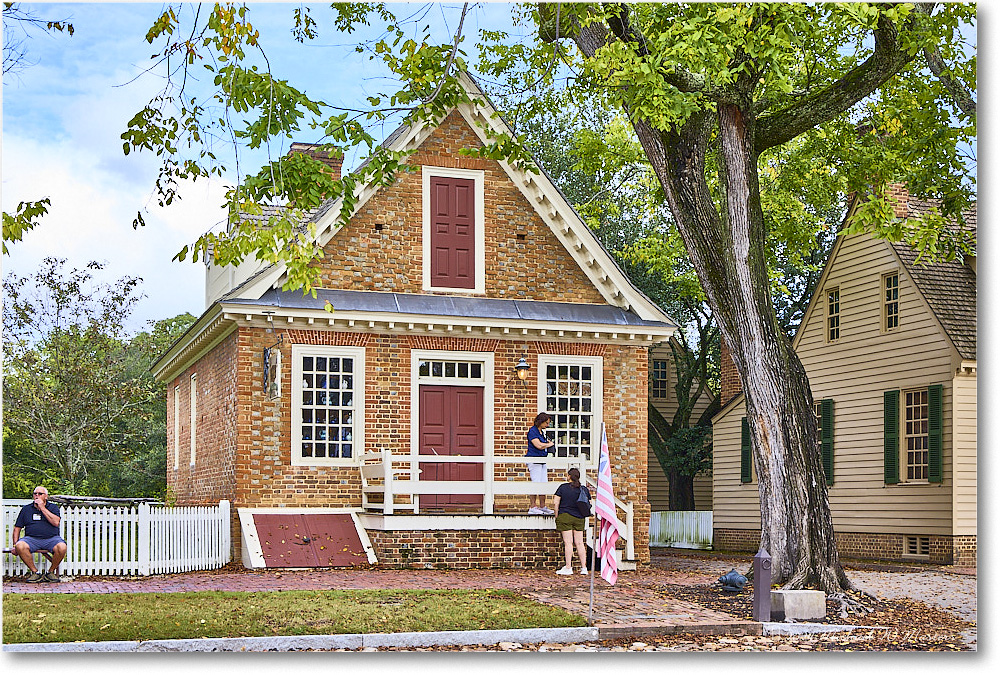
451,423
453,232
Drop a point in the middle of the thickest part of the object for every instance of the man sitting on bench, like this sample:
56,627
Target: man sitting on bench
40,521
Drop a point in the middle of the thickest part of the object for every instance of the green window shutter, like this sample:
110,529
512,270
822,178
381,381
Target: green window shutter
891,414
745,455
935,433
826,437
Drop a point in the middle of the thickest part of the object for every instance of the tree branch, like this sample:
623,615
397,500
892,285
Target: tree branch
888,58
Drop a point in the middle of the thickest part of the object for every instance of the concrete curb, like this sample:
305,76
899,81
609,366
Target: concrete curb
288,643
776,628
298,642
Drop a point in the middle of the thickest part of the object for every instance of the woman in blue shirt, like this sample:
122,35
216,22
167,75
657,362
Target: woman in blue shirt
538,446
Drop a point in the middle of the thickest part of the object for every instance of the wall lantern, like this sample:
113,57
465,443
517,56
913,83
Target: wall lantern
522,369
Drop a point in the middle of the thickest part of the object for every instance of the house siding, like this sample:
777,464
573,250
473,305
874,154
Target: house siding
854,372
965,438
658,483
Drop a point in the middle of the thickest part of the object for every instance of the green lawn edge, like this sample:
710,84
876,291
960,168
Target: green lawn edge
74,617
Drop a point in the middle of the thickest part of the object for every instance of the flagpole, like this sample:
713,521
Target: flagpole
593,559
593,552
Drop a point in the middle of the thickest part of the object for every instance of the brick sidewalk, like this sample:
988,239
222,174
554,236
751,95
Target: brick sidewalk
636,604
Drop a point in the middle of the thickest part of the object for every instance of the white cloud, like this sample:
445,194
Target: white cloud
90,219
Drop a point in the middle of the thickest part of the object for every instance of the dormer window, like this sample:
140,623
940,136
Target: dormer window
453,238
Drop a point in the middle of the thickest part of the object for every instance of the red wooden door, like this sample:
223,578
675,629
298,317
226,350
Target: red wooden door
453,232
451,423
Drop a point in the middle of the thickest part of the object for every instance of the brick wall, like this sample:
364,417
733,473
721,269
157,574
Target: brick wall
944,549
461,549
899,197
252,467
381,248
213,475
729,378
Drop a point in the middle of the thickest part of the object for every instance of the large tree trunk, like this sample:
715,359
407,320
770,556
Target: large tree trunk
681,497
728,254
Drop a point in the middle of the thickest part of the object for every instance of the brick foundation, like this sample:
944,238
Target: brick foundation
465,549
944,549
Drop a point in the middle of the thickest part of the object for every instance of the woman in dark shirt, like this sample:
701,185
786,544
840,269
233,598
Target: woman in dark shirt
570,521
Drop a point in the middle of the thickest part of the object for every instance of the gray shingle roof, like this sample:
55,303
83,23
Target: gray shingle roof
949,287
453,306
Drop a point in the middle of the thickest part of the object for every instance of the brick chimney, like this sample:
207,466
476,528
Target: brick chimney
899,197
332,158
729,378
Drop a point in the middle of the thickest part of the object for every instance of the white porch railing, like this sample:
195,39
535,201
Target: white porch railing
398,476
681,529
140,540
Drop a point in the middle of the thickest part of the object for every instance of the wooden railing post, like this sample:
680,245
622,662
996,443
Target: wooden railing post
388,500
145,534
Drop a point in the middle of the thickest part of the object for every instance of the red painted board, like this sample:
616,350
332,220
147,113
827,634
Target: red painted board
309,540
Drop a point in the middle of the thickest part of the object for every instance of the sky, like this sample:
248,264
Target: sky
62,120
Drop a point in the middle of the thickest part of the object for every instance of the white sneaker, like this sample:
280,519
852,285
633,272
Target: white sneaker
535,511
583,570
547,511
566,571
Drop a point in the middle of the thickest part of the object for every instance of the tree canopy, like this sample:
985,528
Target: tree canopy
82,413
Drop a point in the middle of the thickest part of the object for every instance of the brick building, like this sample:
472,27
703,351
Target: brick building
393,428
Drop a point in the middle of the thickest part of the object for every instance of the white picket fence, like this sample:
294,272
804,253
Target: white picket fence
143,539
681,529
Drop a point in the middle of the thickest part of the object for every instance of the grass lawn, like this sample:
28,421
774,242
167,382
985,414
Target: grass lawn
69,617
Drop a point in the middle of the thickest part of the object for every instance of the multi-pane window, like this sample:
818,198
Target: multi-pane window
458,370
660,382
890,301
916,426
833,315
327,404
570,391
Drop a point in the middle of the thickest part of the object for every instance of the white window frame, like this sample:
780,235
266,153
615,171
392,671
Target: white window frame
194,415
885,303
177,426
904,436
597,393
487,382
830,315
479,177
654,381
358,405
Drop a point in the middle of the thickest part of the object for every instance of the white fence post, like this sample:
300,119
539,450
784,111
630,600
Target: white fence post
145,536
224,554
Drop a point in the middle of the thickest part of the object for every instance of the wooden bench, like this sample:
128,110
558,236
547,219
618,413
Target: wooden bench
45,553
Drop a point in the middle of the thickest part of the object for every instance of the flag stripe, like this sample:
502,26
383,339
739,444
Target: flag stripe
605,508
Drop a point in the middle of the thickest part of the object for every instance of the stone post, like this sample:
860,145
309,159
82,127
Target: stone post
762,586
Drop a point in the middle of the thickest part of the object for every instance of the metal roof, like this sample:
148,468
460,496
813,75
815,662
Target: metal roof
456,306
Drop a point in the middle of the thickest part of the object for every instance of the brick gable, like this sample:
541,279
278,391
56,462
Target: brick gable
381,249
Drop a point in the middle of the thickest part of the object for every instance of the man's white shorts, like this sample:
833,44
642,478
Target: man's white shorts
538,472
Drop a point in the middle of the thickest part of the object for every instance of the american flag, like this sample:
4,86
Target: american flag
608,535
